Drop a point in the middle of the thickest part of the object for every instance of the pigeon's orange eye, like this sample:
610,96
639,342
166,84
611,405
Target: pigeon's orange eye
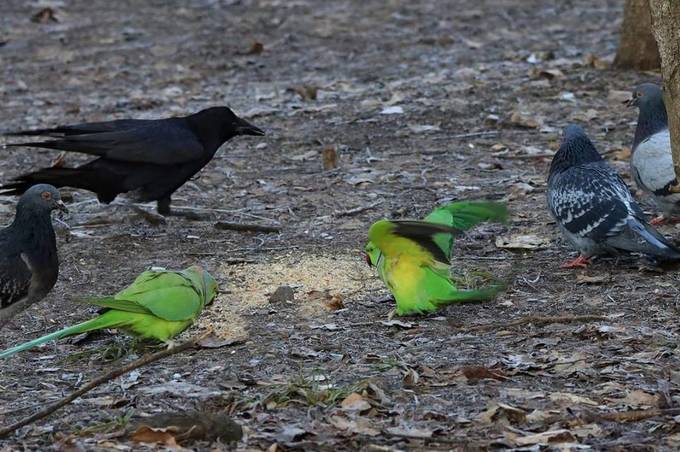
46,195
638,94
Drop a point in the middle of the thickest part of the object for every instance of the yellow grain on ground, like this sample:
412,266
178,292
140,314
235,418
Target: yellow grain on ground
319,281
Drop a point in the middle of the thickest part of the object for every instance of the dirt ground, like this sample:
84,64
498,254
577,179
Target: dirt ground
424,102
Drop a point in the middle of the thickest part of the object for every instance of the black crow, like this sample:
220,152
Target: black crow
150,158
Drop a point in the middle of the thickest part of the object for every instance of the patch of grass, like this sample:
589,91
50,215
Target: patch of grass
114,350
387,363
115,424
471,279
308,391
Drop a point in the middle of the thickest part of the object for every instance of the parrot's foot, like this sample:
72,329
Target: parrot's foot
170,344
391,314
579,262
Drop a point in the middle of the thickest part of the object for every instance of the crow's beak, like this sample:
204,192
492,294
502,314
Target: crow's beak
246,128
61,206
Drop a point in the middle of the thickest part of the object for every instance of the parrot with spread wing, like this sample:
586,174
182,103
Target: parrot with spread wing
158,305
464,215
412,257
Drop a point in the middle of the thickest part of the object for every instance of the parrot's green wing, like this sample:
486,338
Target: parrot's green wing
172,295
117,304
464,215
411,237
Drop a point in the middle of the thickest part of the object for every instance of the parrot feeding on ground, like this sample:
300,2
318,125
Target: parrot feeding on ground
412,257
157,305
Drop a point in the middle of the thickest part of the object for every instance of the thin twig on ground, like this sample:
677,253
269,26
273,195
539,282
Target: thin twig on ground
538,320
49,409
356,210
225,226
638,415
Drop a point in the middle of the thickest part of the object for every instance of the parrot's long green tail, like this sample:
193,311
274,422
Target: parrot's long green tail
94,324
482,294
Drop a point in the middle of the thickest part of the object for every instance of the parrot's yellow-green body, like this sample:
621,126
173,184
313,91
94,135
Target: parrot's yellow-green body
412,257
157,305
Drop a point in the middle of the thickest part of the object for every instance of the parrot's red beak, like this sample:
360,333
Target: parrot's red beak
368,259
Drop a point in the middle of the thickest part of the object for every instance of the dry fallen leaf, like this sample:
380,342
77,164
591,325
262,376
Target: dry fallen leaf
173,428
420,128
329,158
622,154
549,74
618,97
571,398
520,120
393,110
59,161
409,432
522,242
411,378
150,435
399,323
582,278
594,61
256,48
475,373
355,402
44,16
306,156
306,92
503,413
641,399
214,341
332,302
545,438
359,425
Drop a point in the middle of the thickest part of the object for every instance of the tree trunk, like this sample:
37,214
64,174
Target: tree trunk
637,47
666,27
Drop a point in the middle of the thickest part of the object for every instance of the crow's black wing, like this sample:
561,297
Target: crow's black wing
160,142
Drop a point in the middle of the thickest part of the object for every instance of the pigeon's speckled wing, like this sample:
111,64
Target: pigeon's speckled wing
591,200
15,278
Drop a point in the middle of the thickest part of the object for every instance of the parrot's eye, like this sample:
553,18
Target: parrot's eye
368,259
46,195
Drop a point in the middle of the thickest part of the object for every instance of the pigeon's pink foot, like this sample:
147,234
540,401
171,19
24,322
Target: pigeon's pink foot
579,262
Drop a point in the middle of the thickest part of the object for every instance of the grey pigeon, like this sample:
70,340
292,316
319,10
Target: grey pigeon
651,163
594,208
149,158
28,252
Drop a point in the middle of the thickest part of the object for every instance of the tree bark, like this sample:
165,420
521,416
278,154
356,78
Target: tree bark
637,47
666,28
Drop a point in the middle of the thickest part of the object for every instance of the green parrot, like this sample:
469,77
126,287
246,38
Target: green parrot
412,257
157,305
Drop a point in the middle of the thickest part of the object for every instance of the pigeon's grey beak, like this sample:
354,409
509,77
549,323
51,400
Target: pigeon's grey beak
61,206
632,102
246,128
